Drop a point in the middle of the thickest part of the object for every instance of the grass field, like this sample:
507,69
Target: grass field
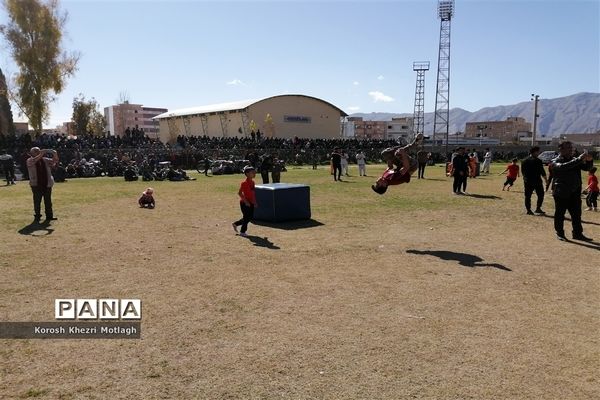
417,294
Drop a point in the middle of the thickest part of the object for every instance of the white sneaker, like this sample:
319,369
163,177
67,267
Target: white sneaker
588,209
234,227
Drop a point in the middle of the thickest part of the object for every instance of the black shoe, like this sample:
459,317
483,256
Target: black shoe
582,238
529,212
51,219
540,211
561,237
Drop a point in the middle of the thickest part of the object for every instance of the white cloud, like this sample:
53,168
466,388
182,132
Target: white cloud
378,96
236,82
380,78
353,108
355,83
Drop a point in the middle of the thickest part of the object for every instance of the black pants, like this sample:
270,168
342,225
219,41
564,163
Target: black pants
572,204
538,187
38,194
247,214
276,176
592,199
421,173
458,181
464,181
9,173
265,176
337,171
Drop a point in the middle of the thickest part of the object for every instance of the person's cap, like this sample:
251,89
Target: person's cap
248,168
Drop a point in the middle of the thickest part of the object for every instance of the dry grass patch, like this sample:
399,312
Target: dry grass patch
414,294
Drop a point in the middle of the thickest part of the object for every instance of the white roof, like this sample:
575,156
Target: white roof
235,105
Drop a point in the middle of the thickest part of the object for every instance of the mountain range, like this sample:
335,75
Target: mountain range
578,113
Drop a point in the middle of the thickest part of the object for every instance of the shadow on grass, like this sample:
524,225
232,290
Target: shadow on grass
590,245
37,229
262,242
289,225
569,219
464,259
484,196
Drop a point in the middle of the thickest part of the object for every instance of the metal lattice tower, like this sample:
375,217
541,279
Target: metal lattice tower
419,112
441,118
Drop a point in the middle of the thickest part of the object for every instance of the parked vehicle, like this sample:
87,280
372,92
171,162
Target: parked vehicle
547,156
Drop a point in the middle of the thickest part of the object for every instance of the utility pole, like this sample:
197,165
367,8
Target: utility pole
536,98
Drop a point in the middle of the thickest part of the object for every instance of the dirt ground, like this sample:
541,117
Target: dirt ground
417,294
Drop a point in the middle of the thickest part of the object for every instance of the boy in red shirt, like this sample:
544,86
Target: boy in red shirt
592,188
247,201
512,175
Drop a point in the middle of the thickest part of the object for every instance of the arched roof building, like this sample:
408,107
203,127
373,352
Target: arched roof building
290,115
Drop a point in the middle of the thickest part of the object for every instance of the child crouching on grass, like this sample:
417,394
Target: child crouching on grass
248,203
147,199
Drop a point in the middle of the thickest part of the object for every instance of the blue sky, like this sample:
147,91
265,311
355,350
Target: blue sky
357,55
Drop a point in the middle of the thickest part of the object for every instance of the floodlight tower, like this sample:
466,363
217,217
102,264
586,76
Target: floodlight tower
441,118
419,112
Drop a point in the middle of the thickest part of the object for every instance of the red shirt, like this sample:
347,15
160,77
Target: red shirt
593,183
247,188
513,171
393,177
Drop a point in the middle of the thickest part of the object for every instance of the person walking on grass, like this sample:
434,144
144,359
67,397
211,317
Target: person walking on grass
512,173
248,202
533,173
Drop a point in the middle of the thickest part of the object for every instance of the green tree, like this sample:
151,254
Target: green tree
97,124
34,34
6,118
87,117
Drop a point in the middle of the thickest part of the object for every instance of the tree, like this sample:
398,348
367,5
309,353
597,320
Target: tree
269,125
34,35
6,118
87,117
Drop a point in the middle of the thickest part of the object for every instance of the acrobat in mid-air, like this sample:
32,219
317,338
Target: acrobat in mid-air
400,166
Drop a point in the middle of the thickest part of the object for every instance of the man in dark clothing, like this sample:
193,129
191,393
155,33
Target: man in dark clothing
460,168
336,163
533,171
566,172
266,166
422,158
9,168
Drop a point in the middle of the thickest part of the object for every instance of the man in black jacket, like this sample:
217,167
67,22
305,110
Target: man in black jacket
533,172
460,168
566,171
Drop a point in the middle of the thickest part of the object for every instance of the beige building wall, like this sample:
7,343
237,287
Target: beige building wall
292,115
300,116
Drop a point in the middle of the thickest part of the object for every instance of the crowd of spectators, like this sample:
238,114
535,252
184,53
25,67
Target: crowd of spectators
88,156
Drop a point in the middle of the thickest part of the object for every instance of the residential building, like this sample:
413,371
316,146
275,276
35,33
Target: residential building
369,129
400,128
122,116
509,131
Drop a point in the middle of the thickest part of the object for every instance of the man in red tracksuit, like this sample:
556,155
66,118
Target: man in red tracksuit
400,166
